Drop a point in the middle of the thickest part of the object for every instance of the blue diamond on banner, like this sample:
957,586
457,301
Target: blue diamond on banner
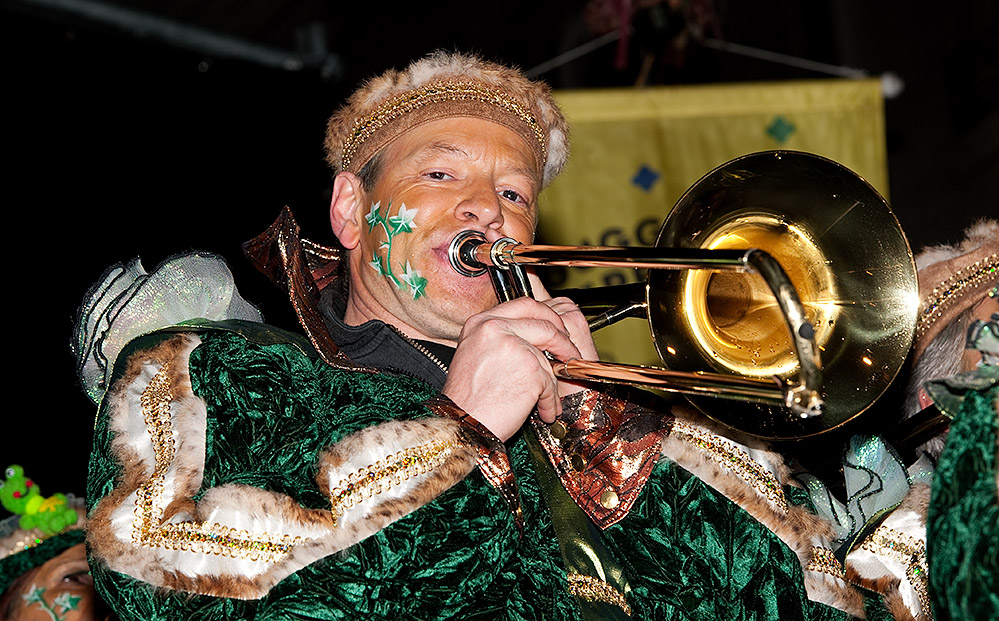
780,129
645,178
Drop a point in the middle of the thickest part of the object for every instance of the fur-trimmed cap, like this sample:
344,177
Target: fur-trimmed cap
445,85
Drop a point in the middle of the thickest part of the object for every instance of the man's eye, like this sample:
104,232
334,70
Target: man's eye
438,175
512,196
80,577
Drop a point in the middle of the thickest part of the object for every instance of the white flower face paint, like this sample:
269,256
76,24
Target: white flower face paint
402,222
62,604
417,284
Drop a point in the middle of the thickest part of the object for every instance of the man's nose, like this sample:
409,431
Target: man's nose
481,208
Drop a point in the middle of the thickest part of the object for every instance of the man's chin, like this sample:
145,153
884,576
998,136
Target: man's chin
444,322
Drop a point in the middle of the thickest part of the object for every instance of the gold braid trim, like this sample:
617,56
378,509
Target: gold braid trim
437,92
905,549
825,561
188,536
950,290
735,460
596,590
382,476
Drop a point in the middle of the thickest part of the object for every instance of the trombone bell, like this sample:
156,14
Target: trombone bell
734,317
846,255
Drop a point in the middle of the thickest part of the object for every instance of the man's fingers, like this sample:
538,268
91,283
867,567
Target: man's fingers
549,403
549,399
576,325
500,371
540,293
541,334
520,308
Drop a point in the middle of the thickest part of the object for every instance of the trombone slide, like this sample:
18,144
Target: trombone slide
471,255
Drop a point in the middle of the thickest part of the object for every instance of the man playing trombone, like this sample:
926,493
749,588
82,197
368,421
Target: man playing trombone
382,466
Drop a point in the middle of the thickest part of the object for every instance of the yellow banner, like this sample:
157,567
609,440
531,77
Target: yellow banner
636,151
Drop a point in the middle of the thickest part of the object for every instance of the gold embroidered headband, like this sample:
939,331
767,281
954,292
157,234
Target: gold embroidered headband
981,274
953,278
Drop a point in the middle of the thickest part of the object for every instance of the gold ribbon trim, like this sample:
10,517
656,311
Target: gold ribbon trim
596,590
189,536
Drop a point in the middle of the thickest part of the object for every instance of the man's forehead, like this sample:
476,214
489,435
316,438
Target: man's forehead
434,147
460,143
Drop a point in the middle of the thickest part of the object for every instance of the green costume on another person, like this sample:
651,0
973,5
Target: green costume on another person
963,521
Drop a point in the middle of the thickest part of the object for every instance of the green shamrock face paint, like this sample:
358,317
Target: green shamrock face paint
401,222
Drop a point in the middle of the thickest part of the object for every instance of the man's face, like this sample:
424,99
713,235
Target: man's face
436,180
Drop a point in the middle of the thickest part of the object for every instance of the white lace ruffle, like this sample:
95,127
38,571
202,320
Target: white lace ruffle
128,303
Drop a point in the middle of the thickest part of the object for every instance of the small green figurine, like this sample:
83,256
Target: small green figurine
21,496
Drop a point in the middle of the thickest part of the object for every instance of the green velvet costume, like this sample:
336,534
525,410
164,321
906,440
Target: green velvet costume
211,497
688,551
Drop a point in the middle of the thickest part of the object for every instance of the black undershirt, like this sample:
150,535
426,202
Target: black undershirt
375,344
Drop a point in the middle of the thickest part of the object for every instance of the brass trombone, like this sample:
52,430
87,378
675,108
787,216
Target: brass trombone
784,272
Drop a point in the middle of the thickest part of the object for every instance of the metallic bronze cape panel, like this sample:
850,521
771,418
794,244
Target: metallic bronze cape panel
493,459
297,265
606,453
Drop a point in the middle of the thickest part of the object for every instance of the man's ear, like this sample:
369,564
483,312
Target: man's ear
345,207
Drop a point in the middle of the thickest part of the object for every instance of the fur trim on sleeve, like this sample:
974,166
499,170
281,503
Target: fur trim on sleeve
238,540
892,559
753,478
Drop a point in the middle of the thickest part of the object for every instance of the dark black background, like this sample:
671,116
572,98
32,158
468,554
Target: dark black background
117,145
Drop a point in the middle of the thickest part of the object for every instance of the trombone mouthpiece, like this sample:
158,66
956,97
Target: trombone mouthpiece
461,253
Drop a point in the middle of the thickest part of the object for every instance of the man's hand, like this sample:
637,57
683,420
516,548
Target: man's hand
575,323
500,372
